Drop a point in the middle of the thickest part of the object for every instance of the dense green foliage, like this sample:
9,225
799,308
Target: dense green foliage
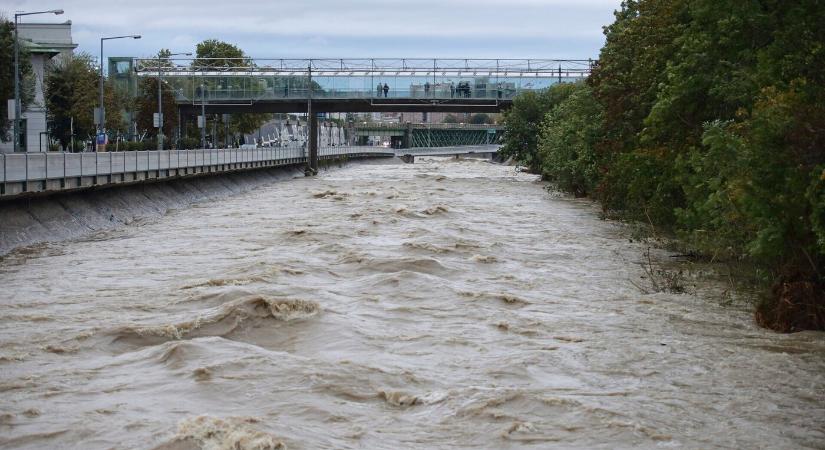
147,106
481,119
523,122
71,96
705,118
567,142
7,74
71,92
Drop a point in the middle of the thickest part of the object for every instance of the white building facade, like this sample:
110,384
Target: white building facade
45,42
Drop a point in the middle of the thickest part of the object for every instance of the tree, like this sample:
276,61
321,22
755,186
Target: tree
639,182
216,54
480,119
450,118
117,103
147,105
146,102
523,120
7,74
568,140
71,96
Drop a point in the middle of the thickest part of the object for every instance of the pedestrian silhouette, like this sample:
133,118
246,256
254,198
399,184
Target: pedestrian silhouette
378,89
452,89
386,90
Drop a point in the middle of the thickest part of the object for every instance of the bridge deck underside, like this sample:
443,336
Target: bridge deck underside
349,105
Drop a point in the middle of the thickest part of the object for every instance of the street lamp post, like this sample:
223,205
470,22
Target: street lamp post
102,113
160,99
17,111
203,115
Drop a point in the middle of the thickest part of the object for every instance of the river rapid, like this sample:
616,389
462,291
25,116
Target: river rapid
442,304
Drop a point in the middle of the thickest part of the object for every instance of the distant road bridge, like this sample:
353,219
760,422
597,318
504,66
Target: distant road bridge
409,135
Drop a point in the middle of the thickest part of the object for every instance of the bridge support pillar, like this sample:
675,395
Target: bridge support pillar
312,145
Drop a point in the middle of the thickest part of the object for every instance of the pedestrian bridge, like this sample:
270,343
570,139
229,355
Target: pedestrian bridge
225,85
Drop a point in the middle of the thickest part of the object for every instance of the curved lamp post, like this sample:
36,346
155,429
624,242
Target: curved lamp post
102,113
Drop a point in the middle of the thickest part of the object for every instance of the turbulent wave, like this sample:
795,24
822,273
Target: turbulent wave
220,321
425,265
212,433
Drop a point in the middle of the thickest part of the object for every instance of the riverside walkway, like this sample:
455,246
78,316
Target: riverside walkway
24,174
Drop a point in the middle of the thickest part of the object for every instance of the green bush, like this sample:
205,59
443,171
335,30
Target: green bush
189,143
567,142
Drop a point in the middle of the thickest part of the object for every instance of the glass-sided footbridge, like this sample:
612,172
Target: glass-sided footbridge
333,82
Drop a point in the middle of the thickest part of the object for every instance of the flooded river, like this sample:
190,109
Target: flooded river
445,304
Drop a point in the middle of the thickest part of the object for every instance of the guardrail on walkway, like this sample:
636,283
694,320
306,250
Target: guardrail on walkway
22,173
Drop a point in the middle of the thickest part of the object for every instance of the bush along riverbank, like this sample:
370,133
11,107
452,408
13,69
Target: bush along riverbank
705,119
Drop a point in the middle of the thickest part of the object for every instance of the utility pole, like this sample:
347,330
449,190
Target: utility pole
202,120
101,116
312,127
160,99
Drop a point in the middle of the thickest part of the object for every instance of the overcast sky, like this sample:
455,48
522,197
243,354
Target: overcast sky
339,28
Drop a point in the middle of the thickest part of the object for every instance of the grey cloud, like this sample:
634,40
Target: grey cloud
357,27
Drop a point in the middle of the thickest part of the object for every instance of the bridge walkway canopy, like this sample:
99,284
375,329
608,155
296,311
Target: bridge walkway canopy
233,80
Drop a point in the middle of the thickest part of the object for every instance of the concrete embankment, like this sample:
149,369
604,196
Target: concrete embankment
72,215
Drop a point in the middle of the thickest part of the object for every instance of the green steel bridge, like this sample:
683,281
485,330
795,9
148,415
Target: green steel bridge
420,135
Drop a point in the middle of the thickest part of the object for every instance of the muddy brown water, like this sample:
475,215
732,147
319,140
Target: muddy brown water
445,304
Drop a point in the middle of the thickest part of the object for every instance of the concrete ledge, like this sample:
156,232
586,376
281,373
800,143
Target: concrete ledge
25,175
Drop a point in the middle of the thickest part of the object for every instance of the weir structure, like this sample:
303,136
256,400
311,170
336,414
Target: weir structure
319,86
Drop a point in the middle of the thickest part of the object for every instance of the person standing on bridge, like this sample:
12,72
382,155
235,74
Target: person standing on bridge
386,90
378,90
452,89
427,89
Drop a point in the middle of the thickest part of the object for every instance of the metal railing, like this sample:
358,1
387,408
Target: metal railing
30,167
217,94
347,67
233,80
